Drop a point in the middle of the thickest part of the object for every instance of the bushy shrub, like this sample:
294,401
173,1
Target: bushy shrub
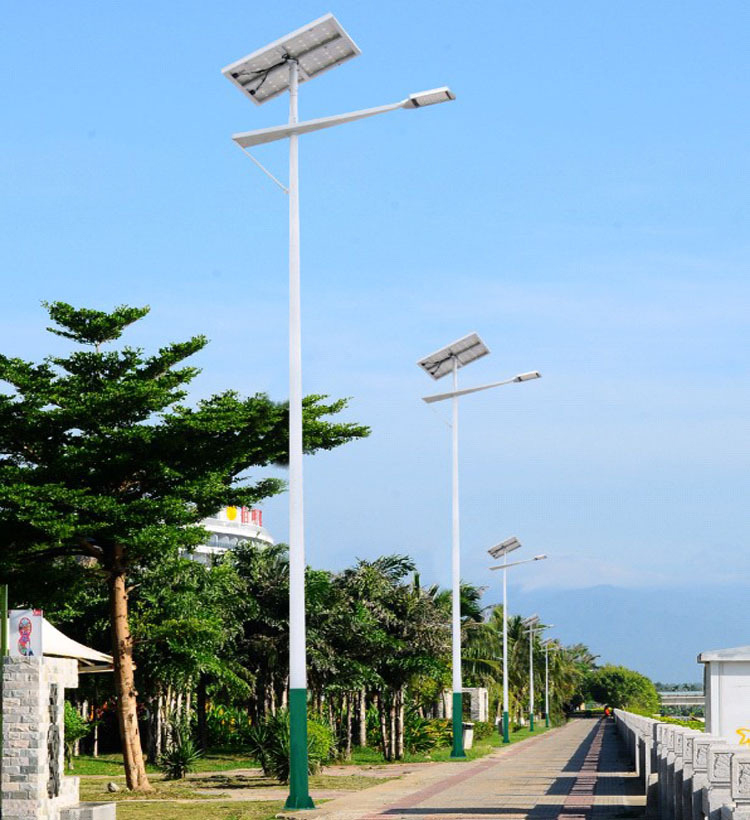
321,744
76,728
227,726
419,735
442,730
268,743
482,729
181,757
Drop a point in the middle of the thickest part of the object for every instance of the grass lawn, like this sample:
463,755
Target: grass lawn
213,761
364,756
220,810
160,804
94,789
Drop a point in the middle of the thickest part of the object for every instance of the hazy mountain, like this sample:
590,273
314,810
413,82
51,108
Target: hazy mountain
659,632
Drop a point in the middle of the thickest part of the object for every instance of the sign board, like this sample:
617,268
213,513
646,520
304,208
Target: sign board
25,633
727,687
243,515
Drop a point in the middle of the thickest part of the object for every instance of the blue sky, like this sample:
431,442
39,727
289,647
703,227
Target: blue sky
583,205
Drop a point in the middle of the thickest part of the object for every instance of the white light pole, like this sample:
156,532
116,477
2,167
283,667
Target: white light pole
438,364
263,75
501,550
546,643
531,622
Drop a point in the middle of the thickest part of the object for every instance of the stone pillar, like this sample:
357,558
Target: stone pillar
33,786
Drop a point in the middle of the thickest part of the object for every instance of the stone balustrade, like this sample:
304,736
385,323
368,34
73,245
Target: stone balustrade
686,774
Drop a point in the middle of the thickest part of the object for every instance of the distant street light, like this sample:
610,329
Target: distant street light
438,364
501,550
261,76
531,622
546,643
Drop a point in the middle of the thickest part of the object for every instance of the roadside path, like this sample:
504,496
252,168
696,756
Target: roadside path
572,773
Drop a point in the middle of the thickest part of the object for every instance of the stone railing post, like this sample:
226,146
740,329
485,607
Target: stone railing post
686,792
718,791
740,784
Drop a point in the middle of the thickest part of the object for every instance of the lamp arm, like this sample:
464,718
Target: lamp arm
466,391
516,563
248,139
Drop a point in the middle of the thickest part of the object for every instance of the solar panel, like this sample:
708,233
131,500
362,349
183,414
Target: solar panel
318,46
464,351
504,547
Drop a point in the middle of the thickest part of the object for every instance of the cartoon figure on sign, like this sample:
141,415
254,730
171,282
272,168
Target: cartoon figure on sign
24,637
744,736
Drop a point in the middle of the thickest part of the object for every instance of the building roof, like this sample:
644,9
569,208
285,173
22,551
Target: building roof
736,653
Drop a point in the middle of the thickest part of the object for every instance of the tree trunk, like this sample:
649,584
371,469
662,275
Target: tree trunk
152,726
159,739
127,716
400,725
95,750
349,710
362,718
392,727
201,710
383,726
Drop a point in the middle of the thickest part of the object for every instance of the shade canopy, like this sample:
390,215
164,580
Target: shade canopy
463,351
57,645
316,47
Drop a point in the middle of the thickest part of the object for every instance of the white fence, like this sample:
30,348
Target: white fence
687,774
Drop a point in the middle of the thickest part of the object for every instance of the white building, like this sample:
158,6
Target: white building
230,527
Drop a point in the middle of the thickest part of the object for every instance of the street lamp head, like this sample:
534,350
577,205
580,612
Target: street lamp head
540,557
431,97
504,547
532,620
525,377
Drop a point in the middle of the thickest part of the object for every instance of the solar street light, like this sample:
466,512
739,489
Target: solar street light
547,643
447,360
502,550
531,622
267,73
438,364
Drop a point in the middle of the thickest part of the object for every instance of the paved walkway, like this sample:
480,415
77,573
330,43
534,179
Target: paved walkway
572,773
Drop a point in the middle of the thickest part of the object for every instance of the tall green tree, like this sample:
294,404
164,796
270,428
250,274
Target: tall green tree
104,470
622,688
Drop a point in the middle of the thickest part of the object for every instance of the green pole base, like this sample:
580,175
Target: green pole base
458,726
546,720
506,728
531,721
299,794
